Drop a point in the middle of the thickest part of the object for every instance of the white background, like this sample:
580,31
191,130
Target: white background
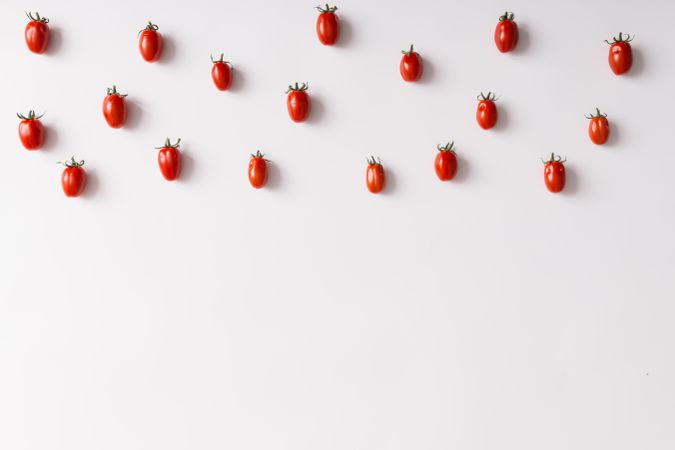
482,313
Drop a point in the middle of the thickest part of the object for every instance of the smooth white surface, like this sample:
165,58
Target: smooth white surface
483,313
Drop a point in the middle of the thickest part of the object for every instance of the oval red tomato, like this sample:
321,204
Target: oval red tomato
598,127
31,131
620,54
115,108
445,162
375,178
327,25
486,113
221,73
411,65
37,33
297,102
257,170
506,33
169,160
73,178
150,43
554,173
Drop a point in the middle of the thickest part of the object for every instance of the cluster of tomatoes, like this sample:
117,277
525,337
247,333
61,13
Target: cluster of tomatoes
150,43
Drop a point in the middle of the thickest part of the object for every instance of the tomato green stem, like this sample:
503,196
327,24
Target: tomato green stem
113,91
554,158
72,162
627,39
168,144
374,162
31,116
506,16
298,87
597,114
327,9
150,26
37,17
409,52
491,96
447,147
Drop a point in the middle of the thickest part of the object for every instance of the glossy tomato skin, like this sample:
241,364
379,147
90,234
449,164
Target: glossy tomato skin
115,110
554,176
150,44
298,105
598,130
37,36
257,171
506,34
486,114
169,162
31,134
445,165
221,73
375,179
411,65
620,57
73,181
328,28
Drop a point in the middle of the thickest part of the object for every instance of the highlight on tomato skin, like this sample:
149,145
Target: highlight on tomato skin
73,178
327,25
445,163
257,170
31,130
298,102
150,43
169,160
411,65
620,54
375,178
598,127
37,33
554,173
506,33
486,112
221,73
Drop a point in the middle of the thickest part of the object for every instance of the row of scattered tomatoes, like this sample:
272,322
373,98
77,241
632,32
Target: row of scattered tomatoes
31,130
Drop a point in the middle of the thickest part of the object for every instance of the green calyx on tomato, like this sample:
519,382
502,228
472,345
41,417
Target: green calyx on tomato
113,91
555,159
408,52
626,39
150,27
168,144
298,87
597,114
491,96
258,155
506,16
37,17
447,147
72,162
31,116
374,162
221,60
327,9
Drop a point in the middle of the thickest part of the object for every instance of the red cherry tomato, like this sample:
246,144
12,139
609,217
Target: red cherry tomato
257,170
169,160
445,163
620,54
327,25
598,127
31,131
74,178
411,65
506,33
150,43
486,114
37,33
375,179
115,108
554,173
221,72
297,102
